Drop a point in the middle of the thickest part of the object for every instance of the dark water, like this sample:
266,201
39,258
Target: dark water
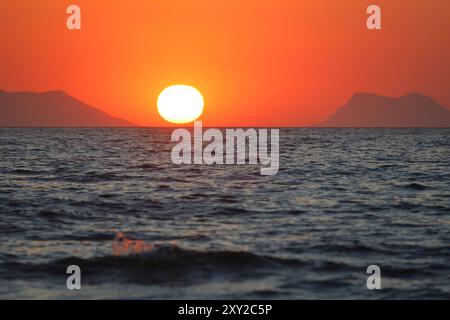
342,200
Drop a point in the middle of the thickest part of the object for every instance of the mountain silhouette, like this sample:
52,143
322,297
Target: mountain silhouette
51,109
371,110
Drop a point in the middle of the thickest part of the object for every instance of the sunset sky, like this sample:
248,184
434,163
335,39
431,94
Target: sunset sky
256,62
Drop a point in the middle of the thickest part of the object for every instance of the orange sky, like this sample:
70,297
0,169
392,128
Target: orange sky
257,62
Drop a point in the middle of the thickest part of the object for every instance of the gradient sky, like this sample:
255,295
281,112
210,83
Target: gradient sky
257,62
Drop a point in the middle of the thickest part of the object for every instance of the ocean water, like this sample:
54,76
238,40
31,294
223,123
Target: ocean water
342,200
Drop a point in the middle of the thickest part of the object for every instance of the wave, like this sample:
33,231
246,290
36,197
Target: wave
416,186
20,171
228,211
168,264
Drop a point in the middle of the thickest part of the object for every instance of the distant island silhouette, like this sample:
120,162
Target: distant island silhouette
52,109
372,110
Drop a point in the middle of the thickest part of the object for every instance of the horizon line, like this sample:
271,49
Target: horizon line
219,127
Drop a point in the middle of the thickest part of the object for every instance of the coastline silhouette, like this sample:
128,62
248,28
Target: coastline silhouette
372,110
52,109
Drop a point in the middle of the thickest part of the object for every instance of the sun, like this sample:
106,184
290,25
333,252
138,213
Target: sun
180,104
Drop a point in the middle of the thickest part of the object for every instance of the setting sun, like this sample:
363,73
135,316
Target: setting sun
180,104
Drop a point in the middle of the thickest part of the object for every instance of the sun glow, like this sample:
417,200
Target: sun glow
180,104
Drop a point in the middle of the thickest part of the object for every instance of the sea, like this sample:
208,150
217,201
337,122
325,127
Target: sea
111,202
